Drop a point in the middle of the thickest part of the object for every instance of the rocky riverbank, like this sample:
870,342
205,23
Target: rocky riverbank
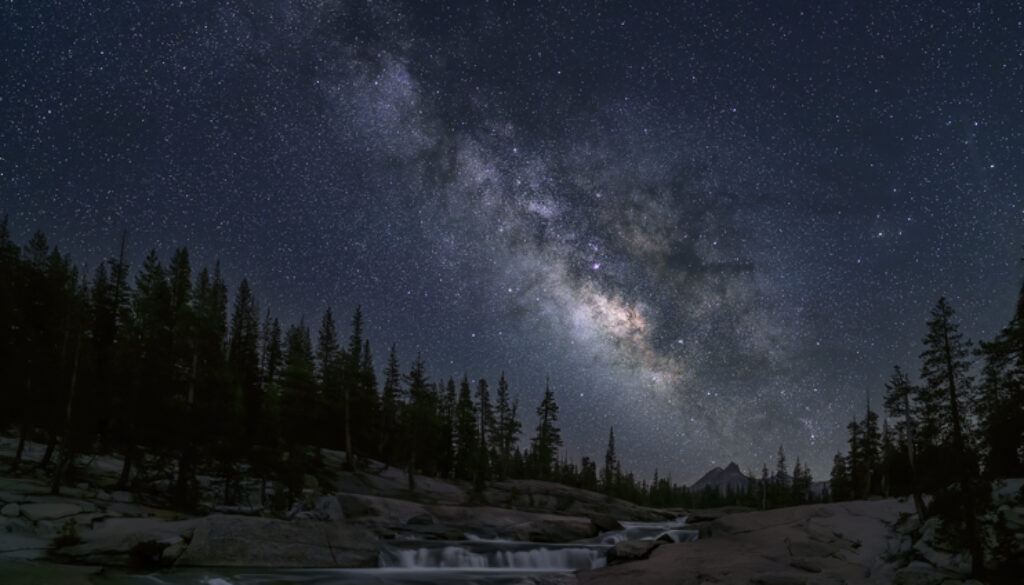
342,525
339,525
863,542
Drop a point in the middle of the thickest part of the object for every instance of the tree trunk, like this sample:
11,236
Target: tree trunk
915,485
51,445
350,459
186,463
22,436
964,467
65,454
126,467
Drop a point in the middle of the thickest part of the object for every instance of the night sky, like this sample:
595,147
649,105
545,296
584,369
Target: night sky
714,225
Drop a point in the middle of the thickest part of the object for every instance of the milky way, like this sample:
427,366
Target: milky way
715,228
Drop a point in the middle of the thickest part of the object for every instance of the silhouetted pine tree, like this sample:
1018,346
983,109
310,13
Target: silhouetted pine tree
446,456
466,429
422,423
946,393
301,408
840,485
351,380
144,394
329,369
366,404
485,434
855,465
1001,404
244,364
588,473
508,426
544,445
900,403
70,432
611,473
391,401
870,454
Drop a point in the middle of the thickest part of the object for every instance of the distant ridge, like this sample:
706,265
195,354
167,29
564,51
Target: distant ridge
722,479
732,478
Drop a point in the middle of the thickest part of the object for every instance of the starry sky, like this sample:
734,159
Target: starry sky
714,225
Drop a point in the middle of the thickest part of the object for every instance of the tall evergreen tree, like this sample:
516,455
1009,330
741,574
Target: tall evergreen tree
610,474
840,485
899,393
211,414
367,404
360,397
1001,403
486,434
466,432
855,459
946,393
143,398
271,351
508,426
422,424
302,407
330,365
447,454
391,400
244,362
870,452
11,314
545,443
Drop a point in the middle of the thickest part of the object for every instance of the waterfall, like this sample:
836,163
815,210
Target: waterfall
482,554
478,553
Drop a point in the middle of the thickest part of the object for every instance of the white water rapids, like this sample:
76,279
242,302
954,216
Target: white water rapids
509,554
472,561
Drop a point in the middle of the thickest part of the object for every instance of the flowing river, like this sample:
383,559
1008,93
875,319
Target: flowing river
409,561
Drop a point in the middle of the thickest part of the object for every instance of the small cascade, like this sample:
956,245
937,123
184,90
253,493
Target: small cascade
678,535
476,553
671,530
484,554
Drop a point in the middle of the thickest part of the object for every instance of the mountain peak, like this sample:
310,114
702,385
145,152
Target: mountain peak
722,479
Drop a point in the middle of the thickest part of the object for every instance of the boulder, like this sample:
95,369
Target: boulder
129,510
631,550
1013,517
137,542
514,524
1008,491
172,553
122,497
326,508
604,522
18,539
387,510
763,547
242,541
11,510
49,511
702,528
952,562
